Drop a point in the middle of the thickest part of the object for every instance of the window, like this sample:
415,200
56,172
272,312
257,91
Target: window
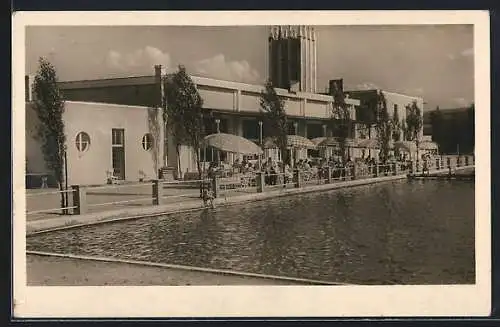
147,142
251,129
82,141
117,137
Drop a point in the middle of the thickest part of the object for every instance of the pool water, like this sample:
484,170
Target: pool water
403,232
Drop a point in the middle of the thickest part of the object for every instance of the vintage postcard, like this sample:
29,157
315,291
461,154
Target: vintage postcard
251,164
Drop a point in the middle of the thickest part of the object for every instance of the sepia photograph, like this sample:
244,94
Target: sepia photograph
309,154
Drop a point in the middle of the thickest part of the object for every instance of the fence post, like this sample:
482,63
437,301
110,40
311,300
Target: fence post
437,164
259,180
215,186
375,169
79,199
157,192
297,178
448,162
466,160
354,171
329,174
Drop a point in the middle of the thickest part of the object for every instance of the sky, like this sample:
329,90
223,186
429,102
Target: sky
435,62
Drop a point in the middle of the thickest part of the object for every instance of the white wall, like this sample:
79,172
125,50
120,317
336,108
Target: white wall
97,120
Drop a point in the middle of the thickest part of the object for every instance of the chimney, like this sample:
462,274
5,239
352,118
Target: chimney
28,88
160,73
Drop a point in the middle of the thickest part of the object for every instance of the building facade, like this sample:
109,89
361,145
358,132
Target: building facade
103,140
230,107
109,121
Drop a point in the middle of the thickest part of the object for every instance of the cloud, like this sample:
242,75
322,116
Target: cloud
139,60
415,91
218,67
468,52
461,102
366,86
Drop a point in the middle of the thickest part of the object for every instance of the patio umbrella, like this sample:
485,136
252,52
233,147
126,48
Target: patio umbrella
407,146
293,141
332,141
317,141
368,143
232,143
428,145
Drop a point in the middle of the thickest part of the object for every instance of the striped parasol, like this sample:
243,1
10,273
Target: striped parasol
332,142
368,143
407,146
232,143
428,145
293,141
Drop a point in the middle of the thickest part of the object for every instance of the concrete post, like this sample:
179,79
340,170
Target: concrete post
413,167
329,174
396,168
297,178
259,180
215,186
79,199
354,171
157,192
437,164
466,160
375,169
448,162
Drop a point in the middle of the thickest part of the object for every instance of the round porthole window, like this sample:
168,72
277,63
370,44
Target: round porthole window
82,141
147,142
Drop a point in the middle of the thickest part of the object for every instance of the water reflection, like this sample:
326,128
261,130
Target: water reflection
394,233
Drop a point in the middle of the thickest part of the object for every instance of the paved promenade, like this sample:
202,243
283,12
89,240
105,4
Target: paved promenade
59,271
111,197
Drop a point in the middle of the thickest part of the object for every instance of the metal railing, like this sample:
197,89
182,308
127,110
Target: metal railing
59,209
157,192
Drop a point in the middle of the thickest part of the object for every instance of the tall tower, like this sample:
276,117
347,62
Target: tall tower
293,57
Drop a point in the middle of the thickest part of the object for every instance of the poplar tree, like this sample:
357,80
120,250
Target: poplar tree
275,119
184,113
49,107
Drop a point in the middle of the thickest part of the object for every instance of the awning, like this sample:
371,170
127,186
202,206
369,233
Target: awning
407,146
293,141
428,145
232,143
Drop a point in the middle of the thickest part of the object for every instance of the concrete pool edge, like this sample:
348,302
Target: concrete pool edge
66,222
201,270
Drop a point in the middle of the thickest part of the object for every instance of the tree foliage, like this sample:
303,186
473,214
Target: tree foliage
49,106
341,119
275,119
184,112
452,129
414,122
437,121
383,126
396,125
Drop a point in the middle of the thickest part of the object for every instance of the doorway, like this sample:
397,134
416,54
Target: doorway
118,152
